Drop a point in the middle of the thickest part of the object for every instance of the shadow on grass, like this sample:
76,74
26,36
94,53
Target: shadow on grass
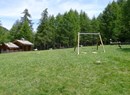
125,49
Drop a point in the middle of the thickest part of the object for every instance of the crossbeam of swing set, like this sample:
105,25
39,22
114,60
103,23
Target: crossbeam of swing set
90,34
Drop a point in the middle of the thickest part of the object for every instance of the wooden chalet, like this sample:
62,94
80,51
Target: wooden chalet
24,45
8,47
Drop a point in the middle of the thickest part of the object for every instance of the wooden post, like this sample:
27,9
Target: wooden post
78,41
101,42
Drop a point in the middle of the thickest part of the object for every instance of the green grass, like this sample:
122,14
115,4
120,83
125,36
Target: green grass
63,72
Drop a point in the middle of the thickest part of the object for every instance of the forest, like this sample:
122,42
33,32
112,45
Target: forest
61,31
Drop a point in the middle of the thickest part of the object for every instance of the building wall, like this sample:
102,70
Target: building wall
5,49
23,47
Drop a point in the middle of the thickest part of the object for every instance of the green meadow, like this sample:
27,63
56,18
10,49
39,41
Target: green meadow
63,72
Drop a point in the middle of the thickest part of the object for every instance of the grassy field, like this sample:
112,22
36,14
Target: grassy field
63,72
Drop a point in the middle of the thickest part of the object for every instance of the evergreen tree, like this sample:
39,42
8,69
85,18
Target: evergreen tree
26,31
110,22
95,25
52,33
26,28
42,37
85,22
26,17
22,28
59,27
4,34
71,27
125,34
15,30
68,28
85,26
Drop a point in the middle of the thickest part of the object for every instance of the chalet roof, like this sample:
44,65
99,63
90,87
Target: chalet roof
11,45
24,42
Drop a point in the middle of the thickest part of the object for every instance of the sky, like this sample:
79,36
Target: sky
11,10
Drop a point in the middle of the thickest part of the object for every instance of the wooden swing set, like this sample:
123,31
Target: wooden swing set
98,34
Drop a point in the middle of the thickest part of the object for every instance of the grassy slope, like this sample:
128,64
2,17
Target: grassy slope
63,72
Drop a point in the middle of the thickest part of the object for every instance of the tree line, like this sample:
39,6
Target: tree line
61,31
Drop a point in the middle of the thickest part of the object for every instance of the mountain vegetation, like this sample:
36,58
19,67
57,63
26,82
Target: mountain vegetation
60,31
4,34
22,28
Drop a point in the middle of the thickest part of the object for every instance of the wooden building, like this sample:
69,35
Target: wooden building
24,45
8,47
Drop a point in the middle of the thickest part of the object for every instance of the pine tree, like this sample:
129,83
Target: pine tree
85,22
4,34
42,37
69,28
52,33
22,28
26,17
125,34
15,30
95,25
59,27
110,22
26,31
26,28
85,26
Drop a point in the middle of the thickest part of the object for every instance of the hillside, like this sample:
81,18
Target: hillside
63,72
4,29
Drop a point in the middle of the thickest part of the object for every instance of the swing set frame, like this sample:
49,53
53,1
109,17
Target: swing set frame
98,34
